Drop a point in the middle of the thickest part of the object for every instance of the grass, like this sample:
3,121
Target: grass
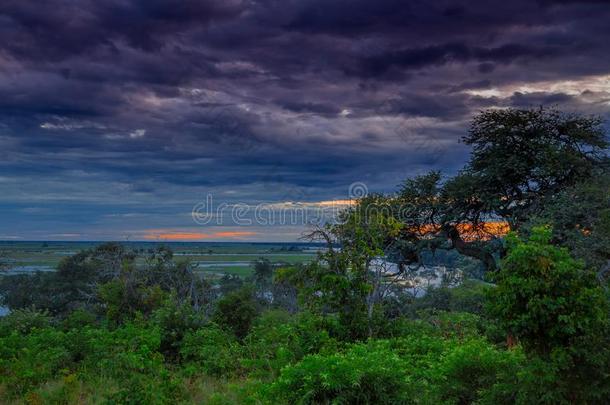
51,253
238,257
200,389
241,271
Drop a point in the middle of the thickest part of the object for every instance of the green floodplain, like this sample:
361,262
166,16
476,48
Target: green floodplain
207,258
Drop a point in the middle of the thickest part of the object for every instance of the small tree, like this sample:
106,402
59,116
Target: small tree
557,310
350,282
263,271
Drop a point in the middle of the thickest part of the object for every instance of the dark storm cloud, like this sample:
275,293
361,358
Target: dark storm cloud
303,106
62,28
153,103
438,55
477,84
540,98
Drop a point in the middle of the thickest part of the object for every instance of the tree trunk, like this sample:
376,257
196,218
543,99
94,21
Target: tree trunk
471,249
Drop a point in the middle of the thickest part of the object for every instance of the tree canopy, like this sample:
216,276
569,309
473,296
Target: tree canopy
522,162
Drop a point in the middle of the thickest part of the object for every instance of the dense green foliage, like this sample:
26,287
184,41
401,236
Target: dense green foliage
286,359
558,311
442,348
546,298
236,311
580,217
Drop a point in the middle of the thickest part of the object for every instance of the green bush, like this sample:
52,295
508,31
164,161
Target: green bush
145,389
174,321
470,296
211,350
475,372
565,378
278,339
151,347
556,308
29,360
122,302
546,298
362,375
414,369
23,321
128,355
454,324
236,311
118,353
78,319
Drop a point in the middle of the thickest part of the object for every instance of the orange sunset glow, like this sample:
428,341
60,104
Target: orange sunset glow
186,236
469,232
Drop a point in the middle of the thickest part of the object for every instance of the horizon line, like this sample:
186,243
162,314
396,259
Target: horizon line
148,241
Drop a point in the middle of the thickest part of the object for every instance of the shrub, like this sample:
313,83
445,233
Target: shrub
23,321
557,310
277,339
79,319
29,360
362,375
144,389
122,302
470,296
174,320
212,350
131,348
236,311
414,369
454,324
476,372
545,298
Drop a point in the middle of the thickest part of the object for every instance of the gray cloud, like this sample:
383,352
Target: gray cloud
109,105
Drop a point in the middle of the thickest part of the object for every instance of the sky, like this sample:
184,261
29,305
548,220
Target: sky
201,120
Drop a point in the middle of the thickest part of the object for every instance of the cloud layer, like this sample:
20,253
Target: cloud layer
119,116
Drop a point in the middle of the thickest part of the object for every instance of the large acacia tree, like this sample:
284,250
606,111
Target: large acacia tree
521,161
